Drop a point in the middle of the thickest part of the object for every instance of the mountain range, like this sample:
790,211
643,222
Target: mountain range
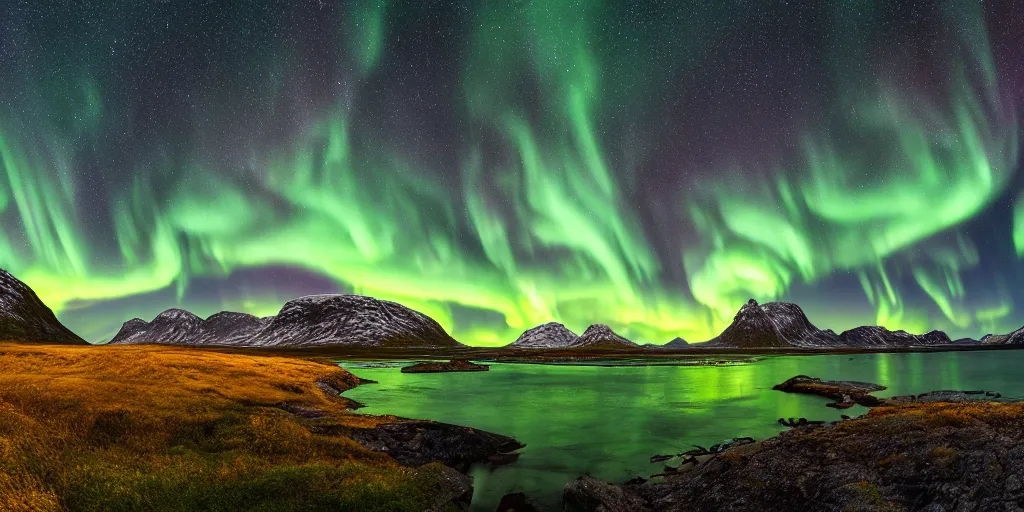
311,321
358,321
784,325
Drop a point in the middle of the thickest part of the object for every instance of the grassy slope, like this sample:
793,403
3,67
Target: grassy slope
160,428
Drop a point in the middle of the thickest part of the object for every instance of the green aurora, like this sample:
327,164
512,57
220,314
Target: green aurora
502,165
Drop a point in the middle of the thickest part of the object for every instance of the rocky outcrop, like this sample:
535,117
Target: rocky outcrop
587,494
312,321
455,365
600,336
414,443
24,317
549,335
916,456
844,393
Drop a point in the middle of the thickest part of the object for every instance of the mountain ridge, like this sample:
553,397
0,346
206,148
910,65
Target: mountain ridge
25,318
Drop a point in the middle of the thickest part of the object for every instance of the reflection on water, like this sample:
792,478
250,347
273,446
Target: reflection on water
608,420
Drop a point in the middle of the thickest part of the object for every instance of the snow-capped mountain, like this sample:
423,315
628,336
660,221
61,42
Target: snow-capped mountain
180,327
315,320
351,320
602,336
549,335
23,317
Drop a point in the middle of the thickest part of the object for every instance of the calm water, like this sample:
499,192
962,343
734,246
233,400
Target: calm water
608,421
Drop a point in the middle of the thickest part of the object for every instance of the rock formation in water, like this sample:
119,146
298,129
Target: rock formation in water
455,365
784,325
600,336
549,335
24,318
312,321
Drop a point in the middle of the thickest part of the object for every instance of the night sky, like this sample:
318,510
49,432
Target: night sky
496,165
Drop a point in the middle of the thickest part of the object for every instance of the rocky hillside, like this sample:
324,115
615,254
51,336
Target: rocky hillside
24,318
1013,338
316,320
600,336
549,335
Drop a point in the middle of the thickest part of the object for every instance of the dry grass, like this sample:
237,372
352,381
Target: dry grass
161,428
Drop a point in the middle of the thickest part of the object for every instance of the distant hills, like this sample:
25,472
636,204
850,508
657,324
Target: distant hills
342,320
554,335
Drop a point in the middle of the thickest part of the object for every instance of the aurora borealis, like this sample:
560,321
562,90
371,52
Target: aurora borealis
496,165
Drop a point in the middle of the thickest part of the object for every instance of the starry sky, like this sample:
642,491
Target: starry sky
495,165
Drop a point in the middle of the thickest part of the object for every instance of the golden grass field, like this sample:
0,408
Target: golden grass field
129,428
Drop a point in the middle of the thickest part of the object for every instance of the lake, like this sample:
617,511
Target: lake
607,421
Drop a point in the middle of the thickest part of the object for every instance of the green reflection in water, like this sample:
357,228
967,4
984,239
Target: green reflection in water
607,421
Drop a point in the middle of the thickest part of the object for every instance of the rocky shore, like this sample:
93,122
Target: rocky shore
938,451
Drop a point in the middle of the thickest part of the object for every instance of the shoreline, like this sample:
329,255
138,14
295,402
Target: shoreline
502,355
187,429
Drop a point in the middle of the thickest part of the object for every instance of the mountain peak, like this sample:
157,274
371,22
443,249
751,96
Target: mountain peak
356,320
549,335
772,325
602,336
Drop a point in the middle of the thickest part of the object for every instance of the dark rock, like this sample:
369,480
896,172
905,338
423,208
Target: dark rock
451,489
455,365
24,317
414,443
947,396
908,456
515,502
845,393
586,494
